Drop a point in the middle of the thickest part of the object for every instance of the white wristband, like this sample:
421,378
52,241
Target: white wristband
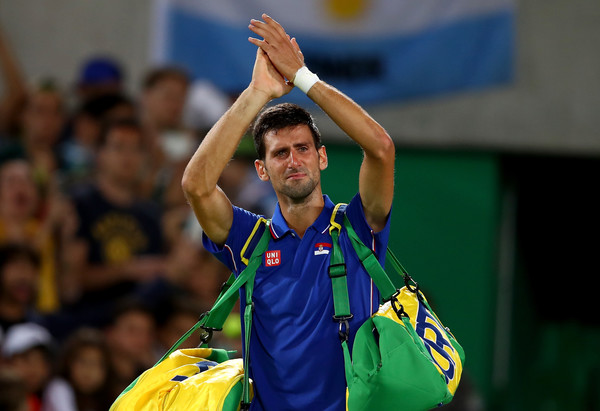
304,79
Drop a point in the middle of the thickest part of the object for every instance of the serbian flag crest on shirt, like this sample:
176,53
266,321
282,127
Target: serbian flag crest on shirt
322,248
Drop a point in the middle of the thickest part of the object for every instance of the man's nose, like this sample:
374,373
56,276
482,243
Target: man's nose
293,160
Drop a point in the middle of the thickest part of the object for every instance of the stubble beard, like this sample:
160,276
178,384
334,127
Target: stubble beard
298,191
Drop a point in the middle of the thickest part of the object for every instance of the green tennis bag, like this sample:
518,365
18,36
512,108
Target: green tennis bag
403,358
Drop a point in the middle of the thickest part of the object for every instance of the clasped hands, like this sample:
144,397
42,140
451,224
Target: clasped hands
282,51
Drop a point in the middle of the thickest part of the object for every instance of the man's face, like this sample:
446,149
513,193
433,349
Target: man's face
18,193
121,156
292,162
88,369
165,102
19,282
33,367
43,118
132,335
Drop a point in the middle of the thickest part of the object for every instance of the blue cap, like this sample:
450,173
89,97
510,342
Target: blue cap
100,70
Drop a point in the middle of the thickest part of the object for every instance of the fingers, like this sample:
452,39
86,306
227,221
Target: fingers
256,42
297,48
274,24
282,50
268,29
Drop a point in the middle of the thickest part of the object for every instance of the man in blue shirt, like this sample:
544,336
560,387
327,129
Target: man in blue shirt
295,355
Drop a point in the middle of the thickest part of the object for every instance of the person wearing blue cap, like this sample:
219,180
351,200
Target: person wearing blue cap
99,75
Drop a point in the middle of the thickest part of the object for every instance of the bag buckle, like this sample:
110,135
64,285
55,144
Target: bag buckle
206,335
407,282
251,304
339,270
344,326
398,307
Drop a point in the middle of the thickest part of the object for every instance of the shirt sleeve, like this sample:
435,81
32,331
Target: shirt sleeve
230,252
376,241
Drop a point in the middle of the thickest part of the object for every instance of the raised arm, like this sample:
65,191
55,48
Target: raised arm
15,87
376,179
210,204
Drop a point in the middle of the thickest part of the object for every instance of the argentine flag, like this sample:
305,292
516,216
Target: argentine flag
375,51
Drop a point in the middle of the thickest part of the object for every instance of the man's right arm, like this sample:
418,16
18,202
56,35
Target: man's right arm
210,204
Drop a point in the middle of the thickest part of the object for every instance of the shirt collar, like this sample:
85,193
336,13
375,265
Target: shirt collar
280,228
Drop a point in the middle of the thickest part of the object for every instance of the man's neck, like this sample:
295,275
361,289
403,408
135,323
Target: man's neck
116,193
302,214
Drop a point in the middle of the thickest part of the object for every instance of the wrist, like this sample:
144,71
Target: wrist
258,94
304,79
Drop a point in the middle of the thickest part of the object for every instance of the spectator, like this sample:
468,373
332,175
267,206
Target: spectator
22,221
98,76
27,350
84,373
78,150
13,392
44,117
174,317
19,277
130,337
118,246
170,144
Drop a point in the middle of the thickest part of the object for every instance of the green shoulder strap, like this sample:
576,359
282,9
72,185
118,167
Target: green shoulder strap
384,283
215,318
337,273
337,268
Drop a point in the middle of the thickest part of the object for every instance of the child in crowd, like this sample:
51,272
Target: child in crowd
83,377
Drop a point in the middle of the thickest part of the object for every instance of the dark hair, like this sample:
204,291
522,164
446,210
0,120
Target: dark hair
81,338
97,107
12,252
15,252
87,337
279,117
174,305
112,124
159,74
129,305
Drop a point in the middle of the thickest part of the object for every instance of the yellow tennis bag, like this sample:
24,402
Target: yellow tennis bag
188,379
202,378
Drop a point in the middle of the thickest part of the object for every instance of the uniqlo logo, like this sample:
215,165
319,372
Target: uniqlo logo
272,258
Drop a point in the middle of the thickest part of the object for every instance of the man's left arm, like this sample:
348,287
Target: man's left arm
376,178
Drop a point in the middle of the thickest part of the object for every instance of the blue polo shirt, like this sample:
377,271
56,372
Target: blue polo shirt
296,359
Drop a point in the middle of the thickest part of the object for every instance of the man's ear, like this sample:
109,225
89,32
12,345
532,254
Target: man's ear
261,170
323,162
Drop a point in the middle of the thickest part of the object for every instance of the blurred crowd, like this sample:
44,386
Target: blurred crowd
101,262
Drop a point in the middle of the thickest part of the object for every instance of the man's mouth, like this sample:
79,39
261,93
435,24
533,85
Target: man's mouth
295,176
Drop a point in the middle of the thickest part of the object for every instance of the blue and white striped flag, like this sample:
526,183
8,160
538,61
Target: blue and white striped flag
374,50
